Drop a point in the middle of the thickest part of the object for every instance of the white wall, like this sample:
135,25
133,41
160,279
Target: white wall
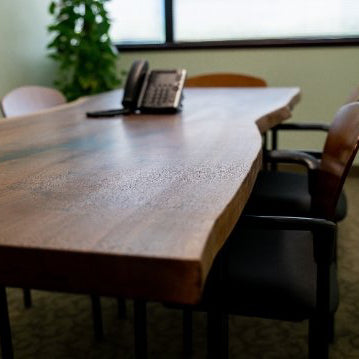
23,39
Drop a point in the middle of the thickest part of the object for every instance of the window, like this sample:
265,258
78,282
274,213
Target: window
207,23
137,21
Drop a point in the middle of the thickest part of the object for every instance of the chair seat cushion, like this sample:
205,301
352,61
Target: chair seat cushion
285,193
270,274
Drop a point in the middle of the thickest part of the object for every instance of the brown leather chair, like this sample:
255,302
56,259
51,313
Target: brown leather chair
28,99
284,268
224,80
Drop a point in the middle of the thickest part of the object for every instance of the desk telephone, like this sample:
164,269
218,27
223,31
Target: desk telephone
157,91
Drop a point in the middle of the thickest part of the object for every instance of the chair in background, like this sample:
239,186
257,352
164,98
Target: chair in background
224,80
321,127
27,99
284,268
281,192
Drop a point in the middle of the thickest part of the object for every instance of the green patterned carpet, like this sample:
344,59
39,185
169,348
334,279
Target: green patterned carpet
59,325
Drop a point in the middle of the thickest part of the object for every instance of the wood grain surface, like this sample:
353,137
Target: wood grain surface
136,206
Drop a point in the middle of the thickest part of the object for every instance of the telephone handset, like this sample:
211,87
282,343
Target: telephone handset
134,84
157,91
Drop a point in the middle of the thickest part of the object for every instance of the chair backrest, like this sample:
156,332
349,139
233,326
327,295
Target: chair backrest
27,99
339,152
354,95
224,80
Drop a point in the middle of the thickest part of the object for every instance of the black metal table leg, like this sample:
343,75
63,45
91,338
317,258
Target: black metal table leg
97,317
5,330
217,336
140,324
217,333
121,305
27,298
187,332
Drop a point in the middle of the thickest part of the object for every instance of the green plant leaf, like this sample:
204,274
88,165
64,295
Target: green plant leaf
52,7
82,48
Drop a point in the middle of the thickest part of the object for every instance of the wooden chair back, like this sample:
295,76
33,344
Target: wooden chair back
224,80
27,99
339,152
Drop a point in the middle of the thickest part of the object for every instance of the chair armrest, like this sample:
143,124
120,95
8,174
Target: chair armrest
289,223
324,231
296,127
314,153
298,157
303,127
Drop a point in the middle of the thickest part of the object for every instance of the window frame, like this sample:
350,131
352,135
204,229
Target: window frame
170,44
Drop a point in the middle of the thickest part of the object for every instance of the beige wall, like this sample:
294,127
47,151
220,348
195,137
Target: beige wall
325,75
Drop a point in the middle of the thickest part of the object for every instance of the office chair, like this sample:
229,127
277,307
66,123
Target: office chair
224,80
320,127
28,99
23,101
281,192
284,268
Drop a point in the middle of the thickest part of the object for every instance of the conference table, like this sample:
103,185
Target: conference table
135,206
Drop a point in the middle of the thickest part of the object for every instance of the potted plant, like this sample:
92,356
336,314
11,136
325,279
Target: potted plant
82,47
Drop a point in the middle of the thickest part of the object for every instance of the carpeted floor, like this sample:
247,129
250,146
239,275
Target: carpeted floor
59,325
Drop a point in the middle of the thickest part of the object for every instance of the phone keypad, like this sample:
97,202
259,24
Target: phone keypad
162,91
160,94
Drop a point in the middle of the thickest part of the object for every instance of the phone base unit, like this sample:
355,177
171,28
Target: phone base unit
162,91
157,91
